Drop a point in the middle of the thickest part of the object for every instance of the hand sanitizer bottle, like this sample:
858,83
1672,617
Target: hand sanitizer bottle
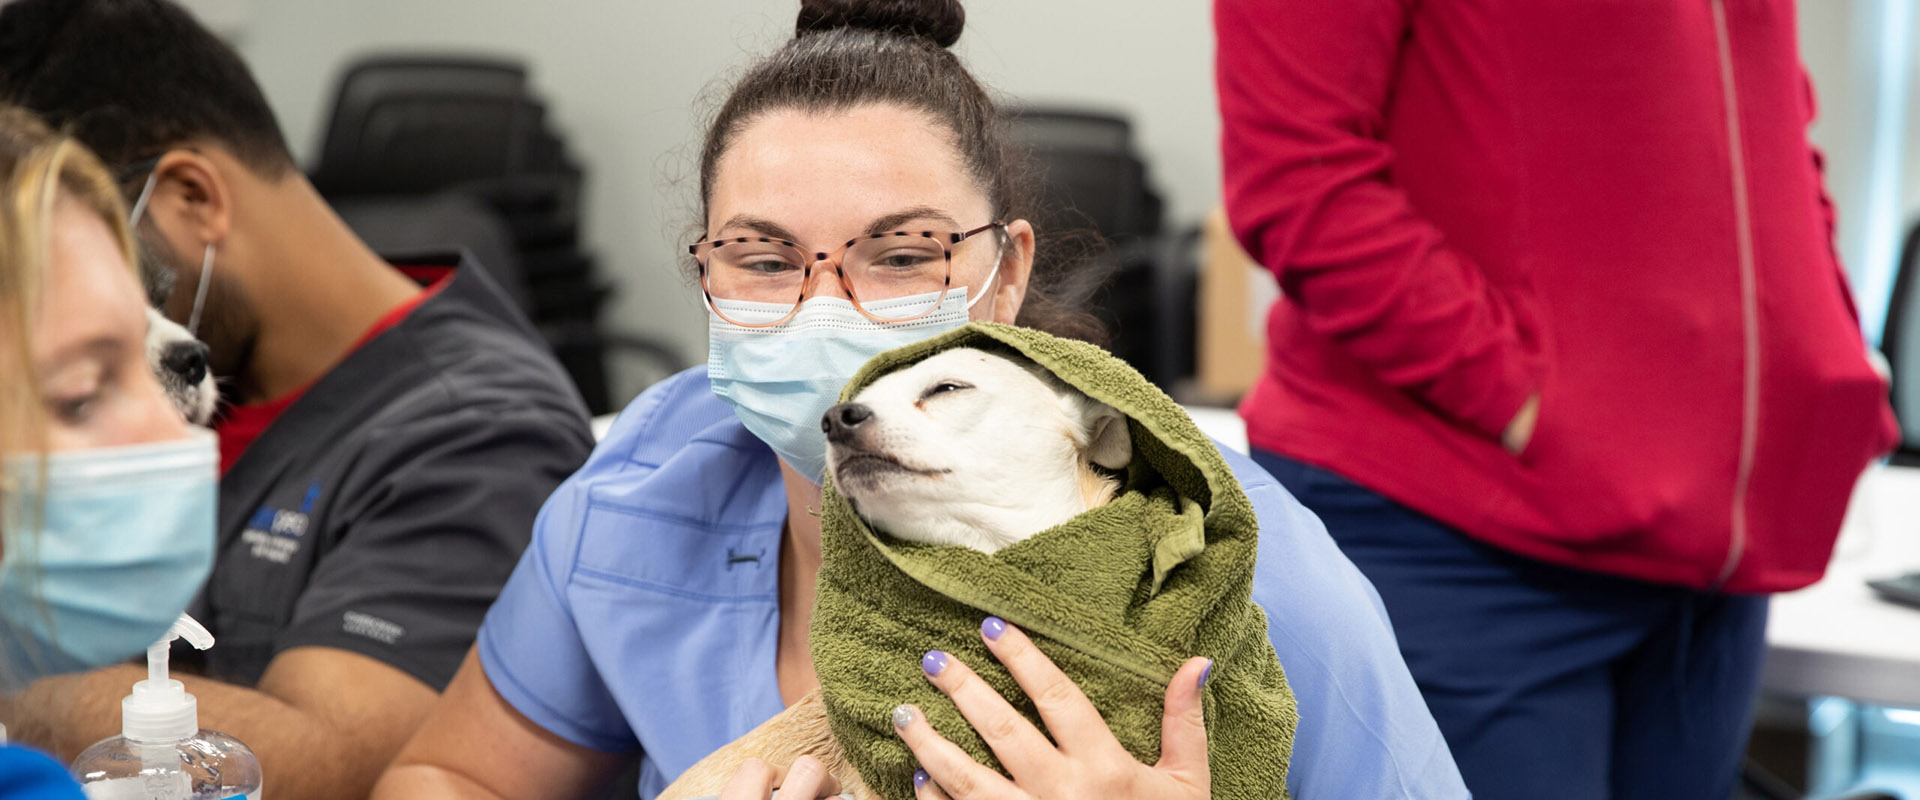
161,753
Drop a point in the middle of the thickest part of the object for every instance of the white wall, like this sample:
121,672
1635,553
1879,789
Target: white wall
623,77
1865,74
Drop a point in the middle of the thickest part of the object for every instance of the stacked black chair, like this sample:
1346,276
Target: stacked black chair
1093,180
1900,340
414,125
408,132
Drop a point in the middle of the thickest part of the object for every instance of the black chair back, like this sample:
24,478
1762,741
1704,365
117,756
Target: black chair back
1900,341
417,124
1073,129
1090,175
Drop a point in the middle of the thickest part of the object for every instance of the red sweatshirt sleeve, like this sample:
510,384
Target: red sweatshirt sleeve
1303,85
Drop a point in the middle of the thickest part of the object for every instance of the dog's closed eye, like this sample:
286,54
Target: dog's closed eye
944,387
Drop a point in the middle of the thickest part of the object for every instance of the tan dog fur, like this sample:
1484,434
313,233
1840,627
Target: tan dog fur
801,730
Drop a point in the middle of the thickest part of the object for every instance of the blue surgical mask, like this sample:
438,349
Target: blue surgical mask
123,539
781,380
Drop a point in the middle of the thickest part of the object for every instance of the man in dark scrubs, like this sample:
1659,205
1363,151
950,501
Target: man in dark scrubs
392,428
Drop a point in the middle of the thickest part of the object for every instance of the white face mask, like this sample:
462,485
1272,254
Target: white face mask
103,555
781,380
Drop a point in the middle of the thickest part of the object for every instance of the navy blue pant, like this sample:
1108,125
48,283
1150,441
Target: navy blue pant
1550,682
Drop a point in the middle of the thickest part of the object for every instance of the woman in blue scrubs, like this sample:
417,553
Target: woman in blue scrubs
106,501
662,609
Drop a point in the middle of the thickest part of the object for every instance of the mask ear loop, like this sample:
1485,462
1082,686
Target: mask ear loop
998,256
200,292
983,289
206,261
140,204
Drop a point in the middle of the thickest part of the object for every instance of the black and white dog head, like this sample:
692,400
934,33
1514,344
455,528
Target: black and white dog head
973,448
178,359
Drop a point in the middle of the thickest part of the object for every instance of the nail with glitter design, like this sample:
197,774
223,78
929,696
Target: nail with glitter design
934,662
902,716
920,778
992,627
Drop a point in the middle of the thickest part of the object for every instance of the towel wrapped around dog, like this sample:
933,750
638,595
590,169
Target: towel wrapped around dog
1119,597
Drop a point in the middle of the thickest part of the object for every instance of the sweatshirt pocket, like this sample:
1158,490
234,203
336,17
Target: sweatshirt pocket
1571,479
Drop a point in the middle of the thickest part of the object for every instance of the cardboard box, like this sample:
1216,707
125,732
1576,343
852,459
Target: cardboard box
1235,295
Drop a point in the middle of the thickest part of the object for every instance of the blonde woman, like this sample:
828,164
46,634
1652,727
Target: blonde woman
106,500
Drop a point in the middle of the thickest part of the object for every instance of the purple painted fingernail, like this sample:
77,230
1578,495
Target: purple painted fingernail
1206,673
902,716
920,778
992,627
934,662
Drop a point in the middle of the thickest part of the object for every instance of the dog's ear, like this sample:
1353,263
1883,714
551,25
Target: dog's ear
1109,443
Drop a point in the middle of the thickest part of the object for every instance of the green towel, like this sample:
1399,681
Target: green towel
1118,597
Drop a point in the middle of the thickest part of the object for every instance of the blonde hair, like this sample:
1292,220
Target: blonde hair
37,167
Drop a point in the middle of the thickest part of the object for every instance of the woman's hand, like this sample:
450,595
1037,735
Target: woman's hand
1089,762
1519,430
807,779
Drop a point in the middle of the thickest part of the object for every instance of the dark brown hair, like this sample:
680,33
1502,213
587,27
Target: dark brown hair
848,53
133,78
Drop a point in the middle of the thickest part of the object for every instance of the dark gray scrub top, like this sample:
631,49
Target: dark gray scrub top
382,511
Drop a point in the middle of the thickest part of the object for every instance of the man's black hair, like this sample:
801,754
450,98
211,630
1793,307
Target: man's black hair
132,78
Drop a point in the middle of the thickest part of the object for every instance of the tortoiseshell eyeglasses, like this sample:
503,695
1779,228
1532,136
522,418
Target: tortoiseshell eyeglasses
875,268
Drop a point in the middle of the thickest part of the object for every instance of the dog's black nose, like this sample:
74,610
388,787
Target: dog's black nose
842,419
187,360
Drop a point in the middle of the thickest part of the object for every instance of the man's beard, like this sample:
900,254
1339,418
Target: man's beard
156,278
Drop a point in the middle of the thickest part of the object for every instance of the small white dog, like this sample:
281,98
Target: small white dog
965,448
976,449
180,361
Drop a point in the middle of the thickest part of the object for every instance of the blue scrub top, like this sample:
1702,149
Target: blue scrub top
645,617
31,775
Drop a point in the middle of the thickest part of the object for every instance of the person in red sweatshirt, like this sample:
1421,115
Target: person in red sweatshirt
1564,358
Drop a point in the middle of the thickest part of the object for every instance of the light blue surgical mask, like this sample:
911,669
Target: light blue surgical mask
104,555
781,380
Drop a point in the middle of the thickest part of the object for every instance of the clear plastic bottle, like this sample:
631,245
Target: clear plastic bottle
161,752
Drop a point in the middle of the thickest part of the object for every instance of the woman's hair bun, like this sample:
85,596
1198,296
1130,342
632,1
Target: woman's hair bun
939,21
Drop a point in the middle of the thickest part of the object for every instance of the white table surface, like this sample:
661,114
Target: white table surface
1836,637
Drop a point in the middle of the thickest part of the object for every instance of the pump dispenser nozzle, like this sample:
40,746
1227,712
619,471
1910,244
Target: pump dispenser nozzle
161,753
159,709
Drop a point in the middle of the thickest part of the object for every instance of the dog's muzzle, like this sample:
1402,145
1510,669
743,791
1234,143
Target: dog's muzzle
842,422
